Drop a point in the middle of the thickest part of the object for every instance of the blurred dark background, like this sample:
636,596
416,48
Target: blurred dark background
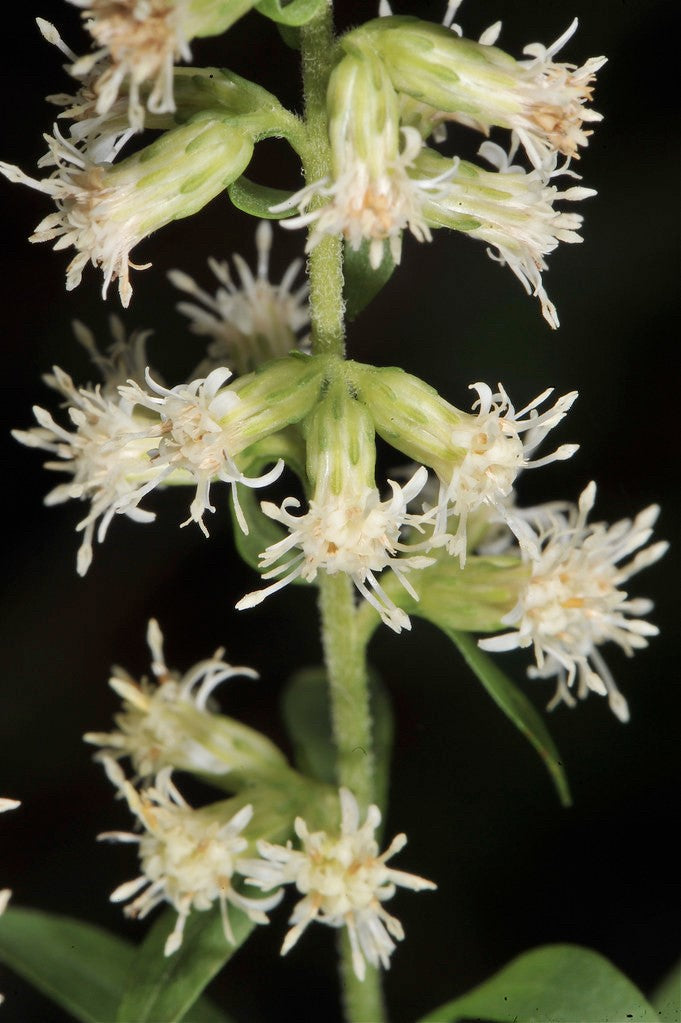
514,869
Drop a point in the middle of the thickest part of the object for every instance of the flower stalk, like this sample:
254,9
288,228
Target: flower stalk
344,651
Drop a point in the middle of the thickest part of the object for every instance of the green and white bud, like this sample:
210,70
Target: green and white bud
410,415
542,102
476,456
138,41
199,429
169,723
347,527
372,196
104,211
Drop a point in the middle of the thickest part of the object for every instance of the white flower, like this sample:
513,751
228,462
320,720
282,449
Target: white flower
106,463
366,205
100,136
192,438
8,804
554,98
157,727
91,214
138,41
104,210
249,321
343,880
495,454
187,856
352,532
574,601
511,210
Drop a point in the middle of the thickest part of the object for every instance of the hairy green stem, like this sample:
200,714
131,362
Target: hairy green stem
325,263
344,653
344,648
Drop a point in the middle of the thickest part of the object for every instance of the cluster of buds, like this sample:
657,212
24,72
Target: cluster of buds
195,858
399,80
566,600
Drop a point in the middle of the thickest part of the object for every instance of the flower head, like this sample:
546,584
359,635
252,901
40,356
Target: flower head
167,723
574,601
543,102
344,882
192,438
494,455
249,321
138,42
554,97
106,463
352,532
104,211
187,857
372,196
511,210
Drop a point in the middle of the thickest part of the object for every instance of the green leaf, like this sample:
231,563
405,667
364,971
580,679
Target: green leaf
166,987
362,282
553,984
515,706
295,12
666,997
257,200
80,967
307,715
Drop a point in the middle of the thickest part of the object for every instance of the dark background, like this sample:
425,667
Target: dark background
514,869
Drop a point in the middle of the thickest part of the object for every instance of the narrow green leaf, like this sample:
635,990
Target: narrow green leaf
306,713
553,984
79,966
515,706
257,200
166,987
295,12
305,709
666,997
362,282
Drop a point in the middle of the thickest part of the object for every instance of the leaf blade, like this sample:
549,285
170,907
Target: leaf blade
166,987
552,984
515,706
79,966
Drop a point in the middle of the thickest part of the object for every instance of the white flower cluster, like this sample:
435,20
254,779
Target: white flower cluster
187,857
574,601
251,321
127,441
352,532
383,106
344,882
193,858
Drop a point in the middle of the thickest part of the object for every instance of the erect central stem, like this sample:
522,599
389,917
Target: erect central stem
325,265
344,648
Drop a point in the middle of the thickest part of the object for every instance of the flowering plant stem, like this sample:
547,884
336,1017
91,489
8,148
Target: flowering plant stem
344,647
